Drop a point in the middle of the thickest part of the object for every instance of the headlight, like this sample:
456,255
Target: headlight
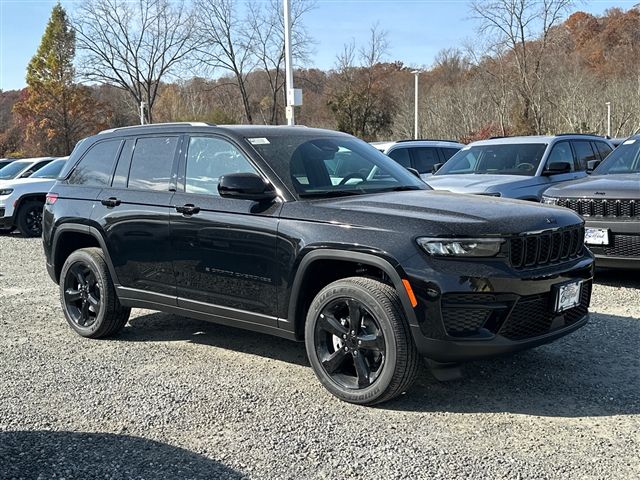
550,200
5,191
461,247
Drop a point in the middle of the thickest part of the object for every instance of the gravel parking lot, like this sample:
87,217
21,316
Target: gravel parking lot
178,398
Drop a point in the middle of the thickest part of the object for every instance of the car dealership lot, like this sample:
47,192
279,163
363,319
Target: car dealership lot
179,398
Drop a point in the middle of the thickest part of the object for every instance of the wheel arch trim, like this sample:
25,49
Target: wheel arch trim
350,257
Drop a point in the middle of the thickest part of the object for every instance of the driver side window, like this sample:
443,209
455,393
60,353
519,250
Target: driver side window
561,153
208,159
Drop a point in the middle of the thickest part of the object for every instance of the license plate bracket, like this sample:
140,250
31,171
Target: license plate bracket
596,236
567,295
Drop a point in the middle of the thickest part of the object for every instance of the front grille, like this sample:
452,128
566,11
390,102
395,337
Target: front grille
596,207
621,246
535,250
1,212
466,315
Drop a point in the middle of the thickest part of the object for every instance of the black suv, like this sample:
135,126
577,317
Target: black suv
251,227
609,201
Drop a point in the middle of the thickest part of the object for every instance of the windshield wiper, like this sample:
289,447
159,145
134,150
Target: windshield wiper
401,188
330,193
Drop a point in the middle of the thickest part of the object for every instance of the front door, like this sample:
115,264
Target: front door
224,249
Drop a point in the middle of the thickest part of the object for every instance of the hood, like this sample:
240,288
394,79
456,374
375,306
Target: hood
477,183
441,213
18,182
626,186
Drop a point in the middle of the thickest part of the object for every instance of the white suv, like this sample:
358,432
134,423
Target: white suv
421,155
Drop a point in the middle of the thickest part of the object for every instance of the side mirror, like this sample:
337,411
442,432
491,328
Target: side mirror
592,165
556,168
436,167
414,171
246,186
26,174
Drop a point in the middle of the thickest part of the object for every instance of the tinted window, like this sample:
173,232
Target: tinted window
561,153
210,158
52,170
584,153
401,155
603,149
425,158
11,170
447,153
496,159
152,162
97,164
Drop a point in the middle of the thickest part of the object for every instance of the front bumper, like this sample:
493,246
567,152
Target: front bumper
5,221
468,317
623,250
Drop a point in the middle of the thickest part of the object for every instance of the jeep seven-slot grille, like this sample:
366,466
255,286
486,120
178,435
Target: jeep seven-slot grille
596,207
534,250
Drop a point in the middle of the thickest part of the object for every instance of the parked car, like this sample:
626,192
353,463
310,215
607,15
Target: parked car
609,201
22,168
22,200
421,155
519,167
5,161
248,226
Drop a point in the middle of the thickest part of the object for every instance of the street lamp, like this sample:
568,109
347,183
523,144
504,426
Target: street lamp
608,104
415,120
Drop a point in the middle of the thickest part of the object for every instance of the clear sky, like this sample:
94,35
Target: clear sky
417,29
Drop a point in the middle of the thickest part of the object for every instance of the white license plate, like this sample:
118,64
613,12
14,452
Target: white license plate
596,236
568,295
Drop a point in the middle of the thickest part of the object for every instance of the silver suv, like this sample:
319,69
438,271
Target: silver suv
519,167
421,155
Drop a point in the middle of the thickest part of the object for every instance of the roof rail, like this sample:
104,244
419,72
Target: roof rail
151,125
585,134
426,140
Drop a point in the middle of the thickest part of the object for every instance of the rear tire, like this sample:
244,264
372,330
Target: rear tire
359,343
88,297
29,218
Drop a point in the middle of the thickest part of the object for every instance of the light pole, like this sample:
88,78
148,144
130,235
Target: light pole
142,107
608,104
288,67
415,112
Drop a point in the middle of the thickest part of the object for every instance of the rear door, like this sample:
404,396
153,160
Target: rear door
224,249
134,213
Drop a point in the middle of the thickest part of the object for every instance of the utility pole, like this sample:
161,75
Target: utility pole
608,104
288,67
416,132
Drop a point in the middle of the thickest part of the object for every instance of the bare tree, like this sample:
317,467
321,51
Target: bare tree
133,45
522,29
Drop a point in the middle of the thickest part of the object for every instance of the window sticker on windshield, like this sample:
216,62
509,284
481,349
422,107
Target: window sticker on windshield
630,141
258,141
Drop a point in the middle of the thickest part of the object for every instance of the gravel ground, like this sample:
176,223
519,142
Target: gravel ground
177,398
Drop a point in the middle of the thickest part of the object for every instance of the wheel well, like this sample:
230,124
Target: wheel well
21,201
321,273
69,242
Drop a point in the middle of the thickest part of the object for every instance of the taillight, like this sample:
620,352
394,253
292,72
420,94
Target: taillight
51,198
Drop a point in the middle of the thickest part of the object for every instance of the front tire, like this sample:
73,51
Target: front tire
358,341
29,218
88,297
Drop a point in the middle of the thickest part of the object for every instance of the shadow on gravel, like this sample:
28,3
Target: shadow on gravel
71,455
162,327
618,278
592,372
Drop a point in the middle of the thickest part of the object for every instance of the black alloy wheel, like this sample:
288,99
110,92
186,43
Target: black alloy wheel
82,295
349,343
30,218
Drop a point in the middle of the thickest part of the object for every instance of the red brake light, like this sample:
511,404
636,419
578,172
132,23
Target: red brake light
51,198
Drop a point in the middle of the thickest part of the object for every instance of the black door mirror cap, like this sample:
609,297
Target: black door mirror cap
246,186
557,168
415,172
437,167
592,165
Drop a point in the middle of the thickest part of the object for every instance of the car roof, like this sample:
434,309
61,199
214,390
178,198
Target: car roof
536,139
384,146
33,160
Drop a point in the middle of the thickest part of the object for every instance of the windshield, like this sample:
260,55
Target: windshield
333,165
51,170
12,170
503,159
624,159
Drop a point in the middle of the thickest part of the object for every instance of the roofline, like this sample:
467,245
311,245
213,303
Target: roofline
154,125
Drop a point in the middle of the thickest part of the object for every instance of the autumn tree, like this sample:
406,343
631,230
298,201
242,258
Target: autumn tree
134,45
57,112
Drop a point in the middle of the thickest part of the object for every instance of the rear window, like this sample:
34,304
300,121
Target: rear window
152,162
96,165
603,149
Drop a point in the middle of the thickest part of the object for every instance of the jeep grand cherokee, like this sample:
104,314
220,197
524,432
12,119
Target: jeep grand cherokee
253,227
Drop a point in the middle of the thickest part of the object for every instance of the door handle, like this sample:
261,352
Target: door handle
188,209
111,202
